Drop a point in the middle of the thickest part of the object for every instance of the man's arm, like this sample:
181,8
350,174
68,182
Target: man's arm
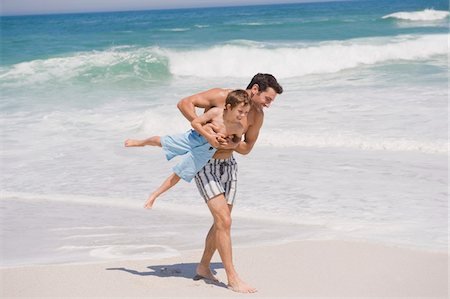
207,99
245,146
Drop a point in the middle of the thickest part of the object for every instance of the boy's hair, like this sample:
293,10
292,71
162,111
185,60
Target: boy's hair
264,81
237,97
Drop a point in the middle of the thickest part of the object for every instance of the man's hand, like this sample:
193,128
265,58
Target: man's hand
213,141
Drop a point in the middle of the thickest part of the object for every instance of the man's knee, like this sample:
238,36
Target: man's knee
221,212
223,222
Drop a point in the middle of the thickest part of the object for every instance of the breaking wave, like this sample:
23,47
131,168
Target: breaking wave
131,65
424,15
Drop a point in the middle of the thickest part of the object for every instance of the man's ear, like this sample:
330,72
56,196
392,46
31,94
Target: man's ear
255,89
227,107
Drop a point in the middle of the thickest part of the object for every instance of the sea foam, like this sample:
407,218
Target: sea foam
424,15
320,58
145,64
277,138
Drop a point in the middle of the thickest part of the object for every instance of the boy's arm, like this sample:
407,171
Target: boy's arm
245,146
198,123
207,99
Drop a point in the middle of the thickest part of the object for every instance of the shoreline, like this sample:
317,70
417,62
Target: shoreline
301,268
108,239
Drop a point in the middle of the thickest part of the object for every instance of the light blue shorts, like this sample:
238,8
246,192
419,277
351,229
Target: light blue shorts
196,150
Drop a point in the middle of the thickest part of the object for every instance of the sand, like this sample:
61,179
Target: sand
303,269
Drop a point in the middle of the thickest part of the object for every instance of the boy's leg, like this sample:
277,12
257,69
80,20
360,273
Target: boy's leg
153,141
166,185
193,161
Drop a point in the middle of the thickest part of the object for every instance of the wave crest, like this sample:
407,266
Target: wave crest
112,66
424,15
294,61
278,138
133,66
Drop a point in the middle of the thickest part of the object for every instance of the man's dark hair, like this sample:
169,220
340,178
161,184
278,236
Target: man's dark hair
264,81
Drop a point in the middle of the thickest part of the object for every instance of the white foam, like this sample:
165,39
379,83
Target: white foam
424,15
278,138
176,29
294,61
76,199
252,24
92,236
82,228
82,65
282,60
99,201
133,252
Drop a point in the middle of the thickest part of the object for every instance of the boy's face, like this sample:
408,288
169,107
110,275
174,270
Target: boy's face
239,112
263,98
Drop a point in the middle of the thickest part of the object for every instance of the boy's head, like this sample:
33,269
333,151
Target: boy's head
263,89
238,102
236,98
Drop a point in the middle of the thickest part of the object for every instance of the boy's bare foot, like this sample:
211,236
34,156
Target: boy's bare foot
204,273
133,142
241,287
149,202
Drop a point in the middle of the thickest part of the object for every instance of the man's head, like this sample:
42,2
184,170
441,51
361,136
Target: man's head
238,104
263,89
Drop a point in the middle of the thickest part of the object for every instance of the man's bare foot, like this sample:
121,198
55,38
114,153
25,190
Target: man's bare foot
133,142
241,287
149,203
203,272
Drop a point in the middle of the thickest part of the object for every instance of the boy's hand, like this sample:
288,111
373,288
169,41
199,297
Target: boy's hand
221,138
213,141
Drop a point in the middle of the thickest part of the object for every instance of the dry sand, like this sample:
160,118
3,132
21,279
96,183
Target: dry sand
303,269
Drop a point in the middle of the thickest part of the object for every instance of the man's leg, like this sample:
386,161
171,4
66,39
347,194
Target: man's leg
222,239
204,269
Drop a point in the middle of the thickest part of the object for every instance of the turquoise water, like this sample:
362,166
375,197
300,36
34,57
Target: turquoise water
356,146
40,37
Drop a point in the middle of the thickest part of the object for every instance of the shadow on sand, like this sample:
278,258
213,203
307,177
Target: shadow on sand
185,270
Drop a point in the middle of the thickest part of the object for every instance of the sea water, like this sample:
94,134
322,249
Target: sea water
356,147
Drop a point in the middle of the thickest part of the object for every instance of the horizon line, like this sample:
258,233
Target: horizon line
167,9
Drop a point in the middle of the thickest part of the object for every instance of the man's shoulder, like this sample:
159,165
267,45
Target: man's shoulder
217,96
220,92
216,110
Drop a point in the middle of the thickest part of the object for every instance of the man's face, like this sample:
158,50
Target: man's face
265,98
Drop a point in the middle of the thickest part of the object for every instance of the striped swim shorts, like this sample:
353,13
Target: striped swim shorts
218,176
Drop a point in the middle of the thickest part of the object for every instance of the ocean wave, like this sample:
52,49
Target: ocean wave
132,66
293,61
175,29
424,15
294,139
251,24
114,65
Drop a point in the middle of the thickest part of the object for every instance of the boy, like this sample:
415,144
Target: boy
199,144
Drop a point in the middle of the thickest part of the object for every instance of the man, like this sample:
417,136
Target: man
217,181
